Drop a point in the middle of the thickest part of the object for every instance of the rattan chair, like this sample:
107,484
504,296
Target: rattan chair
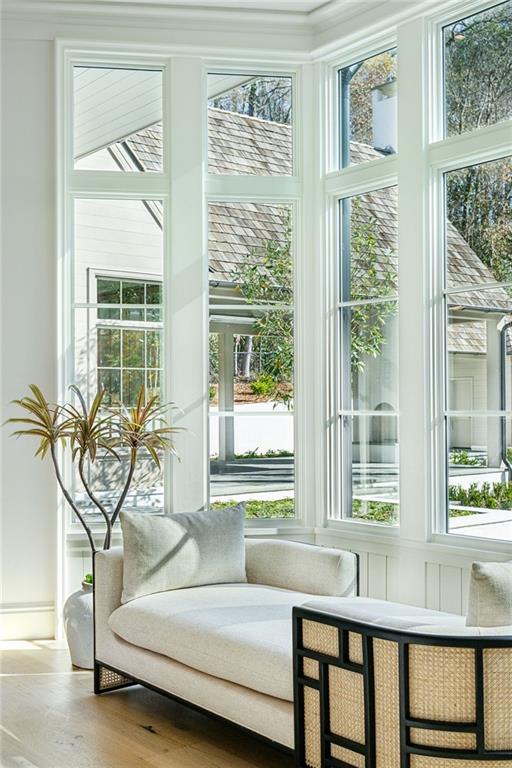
370,697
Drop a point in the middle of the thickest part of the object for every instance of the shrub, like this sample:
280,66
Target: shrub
263,385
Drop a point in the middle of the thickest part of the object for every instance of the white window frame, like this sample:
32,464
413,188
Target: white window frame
185,252
275,190
423,156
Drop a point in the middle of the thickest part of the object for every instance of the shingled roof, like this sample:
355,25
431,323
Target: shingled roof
239,144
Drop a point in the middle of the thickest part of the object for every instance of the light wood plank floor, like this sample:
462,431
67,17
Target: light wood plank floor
51,719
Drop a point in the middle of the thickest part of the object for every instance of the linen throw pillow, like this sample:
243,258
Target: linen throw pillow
163,552
490,595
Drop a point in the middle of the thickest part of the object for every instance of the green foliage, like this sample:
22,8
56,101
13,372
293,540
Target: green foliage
375,511
462,458
479,92
372,72
88,578
280,453
260,508
478,67
212,391
266,278
484,496
263,385
372,275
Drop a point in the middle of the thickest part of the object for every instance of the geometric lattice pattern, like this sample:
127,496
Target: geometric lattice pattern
106,679
372,698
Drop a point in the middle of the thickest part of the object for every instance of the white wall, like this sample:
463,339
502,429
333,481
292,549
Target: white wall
396,567
29,350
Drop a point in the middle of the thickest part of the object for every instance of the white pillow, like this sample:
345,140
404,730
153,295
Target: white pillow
490,595
163,552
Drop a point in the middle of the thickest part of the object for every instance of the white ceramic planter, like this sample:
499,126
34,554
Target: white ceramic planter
78,626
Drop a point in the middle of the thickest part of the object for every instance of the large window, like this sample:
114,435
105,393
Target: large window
251,357
479,348
368,357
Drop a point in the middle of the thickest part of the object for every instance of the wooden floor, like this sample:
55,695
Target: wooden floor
51,719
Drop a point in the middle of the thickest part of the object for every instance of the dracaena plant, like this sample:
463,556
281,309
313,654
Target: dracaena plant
90,433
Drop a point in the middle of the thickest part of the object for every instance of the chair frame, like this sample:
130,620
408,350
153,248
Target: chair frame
404,641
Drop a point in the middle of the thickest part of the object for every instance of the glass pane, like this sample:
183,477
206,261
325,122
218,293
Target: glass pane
478,70
132,382
154,384
479,476
371,467
251,356
110,380
249,125
479,223
116,236
109,348
370,340
252,460
369,245
117,119
133,349
108,291
479,350
368,107
153,342
133,293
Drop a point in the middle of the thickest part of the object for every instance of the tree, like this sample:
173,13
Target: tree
478,69
266,278
269,98
478,86
371,73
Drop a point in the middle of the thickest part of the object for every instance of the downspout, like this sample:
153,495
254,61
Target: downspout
346,76
503,396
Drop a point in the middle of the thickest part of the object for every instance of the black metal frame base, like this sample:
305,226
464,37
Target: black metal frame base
404,640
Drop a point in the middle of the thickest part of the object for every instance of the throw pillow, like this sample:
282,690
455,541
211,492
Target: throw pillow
163,552
490,595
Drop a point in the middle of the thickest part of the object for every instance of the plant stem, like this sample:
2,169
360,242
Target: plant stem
70,500
133,461
106,543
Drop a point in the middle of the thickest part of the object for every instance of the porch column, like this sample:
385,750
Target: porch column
226,396
493,382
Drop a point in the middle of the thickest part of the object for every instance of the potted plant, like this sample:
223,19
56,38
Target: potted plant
88,434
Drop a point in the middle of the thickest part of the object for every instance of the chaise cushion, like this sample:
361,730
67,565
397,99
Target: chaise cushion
239,632
163,552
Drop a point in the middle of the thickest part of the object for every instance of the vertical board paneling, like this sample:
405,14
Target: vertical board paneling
432,586
465,588
377,576
393,591
451,589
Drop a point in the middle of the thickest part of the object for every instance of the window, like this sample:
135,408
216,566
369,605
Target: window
118,321
250,125
367,360
129,339
117,119
478,70
251,357
367,101
478,300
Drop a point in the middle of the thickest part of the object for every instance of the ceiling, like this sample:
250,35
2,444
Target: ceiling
290,6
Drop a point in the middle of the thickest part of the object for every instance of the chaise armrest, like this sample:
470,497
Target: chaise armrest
301,567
